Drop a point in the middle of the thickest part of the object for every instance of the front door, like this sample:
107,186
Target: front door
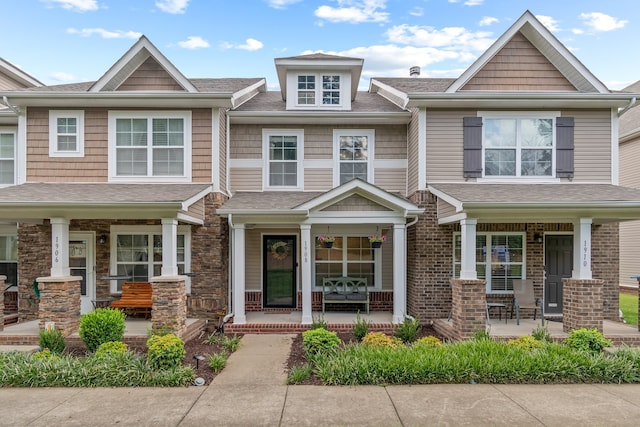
279,271
558,265
81,262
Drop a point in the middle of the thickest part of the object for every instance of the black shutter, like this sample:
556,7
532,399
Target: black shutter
472,146
564,147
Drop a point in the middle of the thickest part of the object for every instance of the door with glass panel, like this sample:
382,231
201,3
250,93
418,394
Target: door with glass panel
279,271
81,263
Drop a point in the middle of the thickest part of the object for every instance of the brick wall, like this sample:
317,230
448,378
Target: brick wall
605,256
582,304
34,260
169,307
469,309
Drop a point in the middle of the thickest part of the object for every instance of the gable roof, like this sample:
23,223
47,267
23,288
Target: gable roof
16,74
629,122
140,52
561,57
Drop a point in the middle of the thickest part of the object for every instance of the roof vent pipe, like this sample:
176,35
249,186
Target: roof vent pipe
414,71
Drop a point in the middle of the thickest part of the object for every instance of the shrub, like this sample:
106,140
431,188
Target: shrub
408,330
428,342
541,333
100,326
589,340
299,374
44,354
361,327
526,342
111,349
218,361
315,341
52,340
165,351
319,323
231,344
379,339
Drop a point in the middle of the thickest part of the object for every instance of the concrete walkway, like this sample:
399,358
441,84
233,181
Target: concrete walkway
251,391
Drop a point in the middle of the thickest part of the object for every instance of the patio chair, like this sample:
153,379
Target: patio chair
523,297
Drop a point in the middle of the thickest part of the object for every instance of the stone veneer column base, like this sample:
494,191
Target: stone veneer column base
2,280
169,303
469,307
60,303
582,304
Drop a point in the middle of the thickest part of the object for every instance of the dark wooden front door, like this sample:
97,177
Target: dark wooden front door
558,265
279,271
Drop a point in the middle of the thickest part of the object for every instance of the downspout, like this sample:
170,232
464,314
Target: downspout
13,108
413,222
628,107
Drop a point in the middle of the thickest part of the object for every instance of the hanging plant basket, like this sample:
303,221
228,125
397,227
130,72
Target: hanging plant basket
326,240
328,244
376,244
376,241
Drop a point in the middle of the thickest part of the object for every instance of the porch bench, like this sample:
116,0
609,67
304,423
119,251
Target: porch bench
136,298
345,290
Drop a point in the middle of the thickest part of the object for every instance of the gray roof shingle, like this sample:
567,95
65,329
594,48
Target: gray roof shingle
416,85
268,200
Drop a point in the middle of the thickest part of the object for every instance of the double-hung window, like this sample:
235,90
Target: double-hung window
66,133
283,153
350,256
319,89
354,153
7,157
500,258
9,255
519,146
150,145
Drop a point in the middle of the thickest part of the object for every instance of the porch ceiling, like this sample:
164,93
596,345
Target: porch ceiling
36,201
538,202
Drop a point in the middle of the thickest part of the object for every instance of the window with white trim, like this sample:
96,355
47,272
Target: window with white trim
519,146
137,253
283,154
9,258
7,157
150,145
350,256
500,258
311,93
66,133
354,153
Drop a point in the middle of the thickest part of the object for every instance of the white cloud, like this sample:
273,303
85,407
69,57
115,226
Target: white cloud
194,42
549,22
488,20
105,34
281,4
577,31
250,44
172,6
601,22
354,11
77,5
60,76
416,11
447,38
473,2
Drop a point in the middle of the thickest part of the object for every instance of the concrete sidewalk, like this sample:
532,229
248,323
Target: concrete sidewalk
251,391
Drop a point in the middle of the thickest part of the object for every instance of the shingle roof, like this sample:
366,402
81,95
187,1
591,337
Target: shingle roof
630,120
319,55
268,200
416,85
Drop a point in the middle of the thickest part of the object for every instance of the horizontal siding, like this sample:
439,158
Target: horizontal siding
318,179
629,252
222,173
445,209
391,179
412,152
444,145
197,209
7,83
318,143
201,145
246,179
387,262
592,141
629,170
150,76
246,142
391,142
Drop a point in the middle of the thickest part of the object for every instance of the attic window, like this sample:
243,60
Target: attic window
306,90
310,93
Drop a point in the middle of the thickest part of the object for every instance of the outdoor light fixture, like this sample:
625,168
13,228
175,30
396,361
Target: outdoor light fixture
198,358
103,239
537,237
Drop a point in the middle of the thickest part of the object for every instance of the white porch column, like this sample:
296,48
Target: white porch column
239,317
399,273
169,247
582,249
60,247
305,255
468,250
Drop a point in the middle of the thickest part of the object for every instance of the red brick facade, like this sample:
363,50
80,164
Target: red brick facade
582,302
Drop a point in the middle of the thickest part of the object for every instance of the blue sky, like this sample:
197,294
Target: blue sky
61,41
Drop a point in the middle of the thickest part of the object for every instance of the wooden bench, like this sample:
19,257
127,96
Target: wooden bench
136,298
345,290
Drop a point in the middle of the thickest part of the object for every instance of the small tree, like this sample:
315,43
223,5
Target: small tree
100,326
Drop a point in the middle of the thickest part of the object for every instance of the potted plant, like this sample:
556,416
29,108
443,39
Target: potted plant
376,241
326,240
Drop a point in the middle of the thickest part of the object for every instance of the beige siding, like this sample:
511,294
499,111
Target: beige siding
387,262
444,145
201,145
519,66
412,152
445,209
355,203
391,179
319,179
197,209
318,143
7,83
246,179
391,142
222,172
150,76
246,142
253,255
629,170
629,252
592,141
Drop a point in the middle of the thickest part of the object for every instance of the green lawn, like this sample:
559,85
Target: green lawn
629,307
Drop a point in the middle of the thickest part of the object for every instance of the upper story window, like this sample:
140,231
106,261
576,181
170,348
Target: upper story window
327,92
283,153
66,133
7,157
150,145
354,153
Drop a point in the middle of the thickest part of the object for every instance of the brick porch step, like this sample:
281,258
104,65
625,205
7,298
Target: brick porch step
289,328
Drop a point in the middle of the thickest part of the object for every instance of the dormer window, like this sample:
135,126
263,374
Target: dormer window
309,92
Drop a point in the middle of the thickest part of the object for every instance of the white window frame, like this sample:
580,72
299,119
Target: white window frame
487,263
149,230
54,150
337,133
14,132
266,169
113,116
10,232
318,89
552,115
377,262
